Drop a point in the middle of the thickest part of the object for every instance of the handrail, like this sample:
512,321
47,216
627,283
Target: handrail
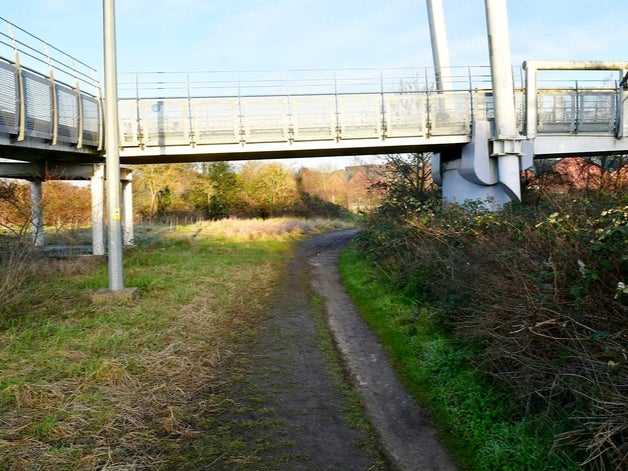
35,52
299,81
64,105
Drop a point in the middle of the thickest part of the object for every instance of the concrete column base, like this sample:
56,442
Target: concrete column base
457,189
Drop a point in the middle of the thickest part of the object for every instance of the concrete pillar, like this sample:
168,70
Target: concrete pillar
98,210
506,139
37,213
440,50
127,210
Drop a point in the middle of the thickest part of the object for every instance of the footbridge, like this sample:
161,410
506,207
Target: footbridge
483,124
579,109
562,109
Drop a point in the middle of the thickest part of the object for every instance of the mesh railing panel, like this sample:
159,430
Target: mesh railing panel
128,124
597,112
406,114
265,119
38,97
313,117
360,116
450,114
215,120
9,114
68,114
165,122
91,121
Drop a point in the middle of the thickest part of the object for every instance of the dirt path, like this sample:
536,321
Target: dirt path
294,408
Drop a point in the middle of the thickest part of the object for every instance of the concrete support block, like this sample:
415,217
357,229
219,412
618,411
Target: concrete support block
457,189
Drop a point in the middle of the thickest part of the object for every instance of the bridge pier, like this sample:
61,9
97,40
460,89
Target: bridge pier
127,209
473,173
98,210
37,213
37,173
489,167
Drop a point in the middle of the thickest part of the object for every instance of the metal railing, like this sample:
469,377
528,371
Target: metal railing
169,109
577,110
62,106
161,109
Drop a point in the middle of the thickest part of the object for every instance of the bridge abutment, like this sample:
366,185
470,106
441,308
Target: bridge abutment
474,172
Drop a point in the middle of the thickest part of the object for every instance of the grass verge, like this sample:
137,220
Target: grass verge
482,427
117,385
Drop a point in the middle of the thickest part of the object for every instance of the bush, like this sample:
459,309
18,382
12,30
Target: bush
541,291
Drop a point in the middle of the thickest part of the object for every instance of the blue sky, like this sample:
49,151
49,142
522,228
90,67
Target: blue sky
194,35
209,35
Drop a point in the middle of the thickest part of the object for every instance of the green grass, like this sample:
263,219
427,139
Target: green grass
86,384
483,429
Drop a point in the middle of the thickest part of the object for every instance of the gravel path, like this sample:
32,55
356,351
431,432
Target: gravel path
293,410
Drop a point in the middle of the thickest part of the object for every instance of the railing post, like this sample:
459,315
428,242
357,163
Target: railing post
190,115
241,115
383,104
79,108
622,125
101,126
576,121
138,116
337,106
53,96
21,135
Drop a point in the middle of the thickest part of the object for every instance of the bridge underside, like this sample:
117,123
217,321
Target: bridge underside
262,151
543,146
40,150
548,146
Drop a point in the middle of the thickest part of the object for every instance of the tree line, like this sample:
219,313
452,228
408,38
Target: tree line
207,190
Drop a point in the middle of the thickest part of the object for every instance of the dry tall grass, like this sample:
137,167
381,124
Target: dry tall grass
116,386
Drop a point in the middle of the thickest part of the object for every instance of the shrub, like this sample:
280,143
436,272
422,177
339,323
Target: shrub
541,290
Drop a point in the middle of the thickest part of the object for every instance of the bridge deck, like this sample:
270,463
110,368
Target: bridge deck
42,118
